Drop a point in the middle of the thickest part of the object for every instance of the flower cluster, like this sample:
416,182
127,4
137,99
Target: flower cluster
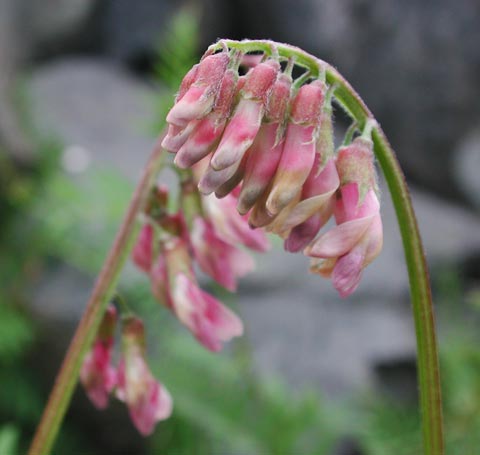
148,401
268,140
205,230
251,151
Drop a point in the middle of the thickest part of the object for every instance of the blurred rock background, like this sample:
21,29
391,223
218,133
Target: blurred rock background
83,72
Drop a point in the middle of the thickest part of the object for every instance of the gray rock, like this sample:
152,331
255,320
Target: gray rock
99,109
467,166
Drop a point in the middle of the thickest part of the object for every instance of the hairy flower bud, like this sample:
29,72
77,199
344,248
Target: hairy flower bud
209,321
242,128
200,96
208,130
348,248
147,399
97,375
299,149
267,148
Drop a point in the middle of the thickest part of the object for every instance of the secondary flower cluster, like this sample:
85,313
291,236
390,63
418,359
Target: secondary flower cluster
148,401
269,140
205,230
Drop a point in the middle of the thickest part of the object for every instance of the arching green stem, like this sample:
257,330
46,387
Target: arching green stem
422,305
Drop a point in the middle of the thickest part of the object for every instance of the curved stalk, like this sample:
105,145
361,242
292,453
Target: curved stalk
422,305
102,293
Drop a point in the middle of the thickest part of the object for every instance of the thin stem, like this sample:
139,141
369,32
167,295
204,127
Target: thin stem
101,295
422,305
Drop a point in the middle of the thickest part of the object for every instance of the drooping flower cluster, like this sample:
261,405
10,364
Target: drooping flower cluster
268,141
148,401
204,230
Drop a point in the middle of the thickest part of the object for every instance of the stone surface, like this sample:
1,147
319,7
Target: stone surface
96,106
467,166
298,325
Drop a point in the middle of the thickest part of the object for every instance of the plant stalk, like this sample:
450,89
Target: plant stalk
102,294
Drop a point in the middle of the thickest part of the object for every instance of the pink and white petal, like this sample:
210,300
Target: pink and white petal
348,270
155,405
307,208
261,166
232,226
200,142
295,164
375,240
195,104
340,239
211,179
300,236
177,136
227,324
143,249
239,134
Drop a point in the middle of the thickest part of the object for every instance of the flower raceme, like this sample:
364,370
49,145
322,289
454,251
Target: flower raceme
266,141
148,401
200,233
252,150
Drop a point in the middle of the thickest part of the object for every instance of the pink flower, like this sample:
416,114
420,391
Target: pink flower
200,97
209,129
218,181
314,209
348,248
231,226
267,148
217,258
299,149
147,399
242,128
97,375
143,249
209,321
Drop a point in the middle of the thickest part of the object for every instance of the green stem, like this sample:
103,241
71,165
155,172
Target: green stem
102,293
422,305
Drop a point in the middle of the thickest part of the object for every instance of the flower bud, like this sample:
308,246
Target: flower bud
148,400
348,248
210,322
97,375
209,129
268,145
143,248
217,258
200,97
241,130
299,149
